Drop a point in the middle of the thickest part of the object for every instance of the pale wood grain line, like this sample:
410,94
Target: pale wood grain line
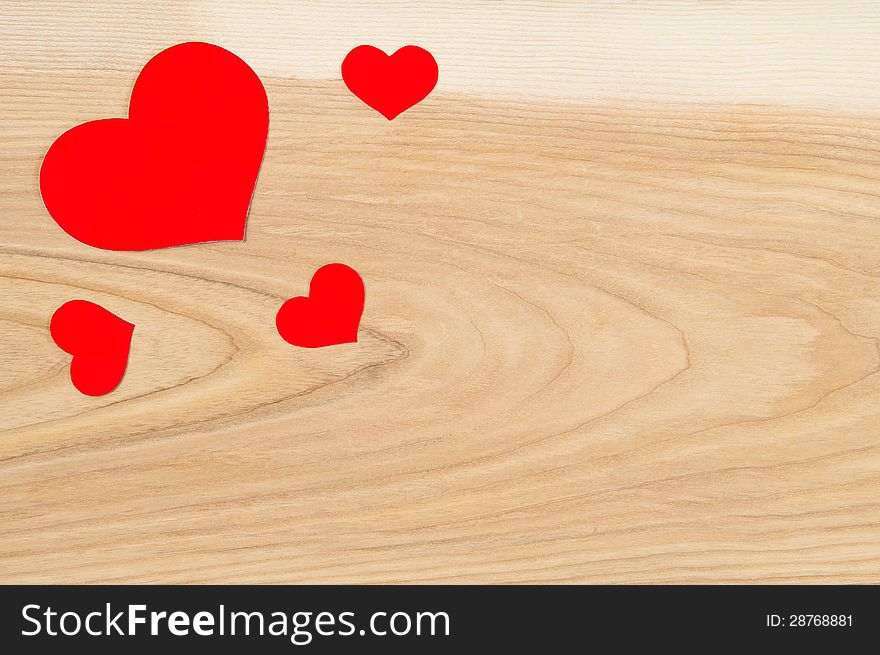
812,53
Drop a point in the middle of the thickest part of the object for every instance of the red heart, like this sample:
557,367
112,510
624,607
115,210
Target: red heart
181,169
329,315
98,340
390,85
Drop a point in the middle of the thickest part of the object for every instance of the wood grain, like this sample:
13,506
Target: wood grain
615,331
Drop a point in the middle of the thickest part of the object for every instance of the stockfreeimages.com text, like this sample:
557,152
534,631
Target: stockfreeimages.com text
299,627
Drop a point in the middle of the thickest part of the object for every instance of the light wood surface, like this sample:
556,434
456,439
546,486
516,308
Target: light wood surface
622,308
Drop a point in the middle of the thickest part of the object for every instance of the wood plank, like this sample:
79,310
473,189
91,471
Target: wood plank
621,320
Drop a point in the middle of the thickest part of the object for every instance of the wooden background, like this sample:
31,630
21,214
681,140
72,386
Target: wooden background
622,310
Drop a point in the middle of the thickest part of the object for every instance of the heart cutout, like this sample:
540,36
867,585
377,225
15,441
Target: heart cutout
98,340
180,169
329,315
390,84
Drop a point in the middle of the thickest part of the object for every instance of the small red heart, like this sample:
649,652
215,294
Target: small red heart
390,85
329,315
98,340
180,169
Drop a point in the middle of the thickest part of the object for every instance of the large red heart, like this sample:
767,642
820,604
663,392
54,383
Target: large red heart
98,340
390,85
329,315
181,169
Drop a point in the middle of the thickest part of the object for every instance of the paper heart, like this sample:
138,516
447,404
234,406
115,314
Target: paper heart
390,85
180,169
329,315
98,340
